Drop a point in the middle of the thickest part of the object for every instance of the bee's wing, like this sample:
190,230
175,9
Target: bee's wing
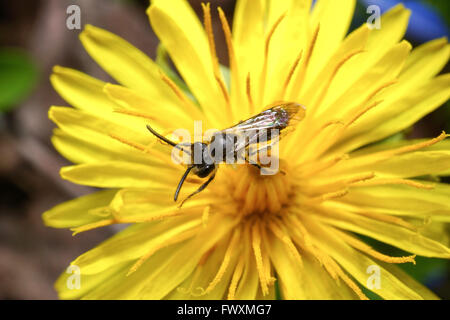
280,116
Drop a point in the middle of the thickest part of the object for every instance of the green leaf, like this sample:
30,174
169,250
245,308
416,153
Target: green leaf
426,268
18,75
370,294
277,291
442,6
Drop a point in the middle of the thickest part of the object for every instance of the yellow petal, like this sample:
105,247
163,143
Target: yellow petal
158,280
79,211
349,106
354,42
195,285
289,272
125,63
119,174
384,71
313,93
178,28
321,286
122,287
394,23
80,149
435,230
66,283
425,62
78,122
334,18
269,296
81,91
405,239
346,107
166,116
357,264
95,133
389,118
132,243
135,205
443,145
309,281
403,200
248,286
287,42
86,93
412,164
249,20
423,291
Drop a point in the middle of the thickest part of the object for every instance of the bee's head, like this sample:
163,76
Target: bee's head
202,160
203,170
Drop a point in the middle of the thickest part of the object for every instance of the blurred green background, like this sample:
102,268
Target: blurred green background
34,38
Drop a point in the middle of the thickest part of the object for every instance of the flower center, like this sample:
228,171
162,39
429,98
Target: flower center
255,193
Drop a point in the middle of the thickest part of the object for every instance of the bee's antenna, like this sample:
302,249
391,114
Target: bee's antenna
156,134
181,182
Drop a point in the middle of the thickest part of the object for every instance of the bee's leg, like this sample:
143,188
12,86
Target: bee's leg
259,166
246,159
256,165
202,187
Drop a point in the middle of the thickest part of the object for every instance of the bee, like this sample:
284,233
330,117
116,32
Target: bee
234,142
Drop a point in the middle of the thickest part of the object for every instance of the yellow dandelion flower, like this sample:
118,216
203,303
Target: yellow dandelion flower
246,233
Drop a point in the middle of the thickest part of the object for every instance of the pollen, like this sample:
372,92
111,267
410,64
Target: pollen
256,194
